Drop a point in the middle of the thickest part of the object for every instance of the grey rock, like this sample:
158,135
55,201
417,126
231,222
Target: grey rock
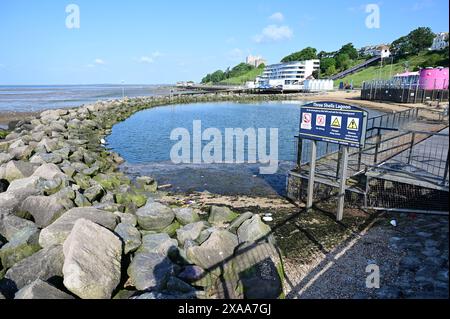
176,285
57,232
260,269
49,171
42,158
45,264
160,244
41,290
17,170
127,218
186,215
154,216
131,237
11,224
94,193
252,230
150,271
239,221
4,158
219,246
221,215
44,209
23,244
92,261
190,232
81,201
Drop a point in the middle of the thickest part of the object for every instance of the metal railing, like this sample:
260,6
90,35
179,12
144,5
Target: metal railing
376,126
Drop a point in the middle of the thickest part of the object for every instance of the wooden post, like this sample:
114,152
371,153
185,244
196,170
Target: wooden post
413,137
299,153
312,171
342,186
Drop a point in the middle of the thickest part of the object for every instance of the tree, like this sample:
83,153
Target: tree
305,54
343,61
206,79
350,50
421,39
325,63
401,47
217,76
331,70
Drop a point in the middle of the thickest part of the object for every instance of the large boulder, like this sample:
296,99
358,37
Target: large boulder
154,216
57,232
190,232
150,271
24,243
252,230
11,224
49,171
39,289
186,215
233,227
94,193
45,264
44,209
158,244
260,269
5,157
221,215
131,237
18,169
92,260
218,247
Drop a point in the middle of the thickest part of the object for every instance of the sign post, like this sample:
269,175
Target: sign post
312,171
337,123
342,183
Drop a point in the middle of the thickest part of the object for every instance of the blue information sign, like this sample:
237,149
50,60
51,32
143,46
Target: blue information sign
333,122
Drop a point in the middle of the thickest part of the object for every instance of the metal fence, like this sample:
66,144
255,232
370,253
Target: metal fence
388,121
403,93
399,167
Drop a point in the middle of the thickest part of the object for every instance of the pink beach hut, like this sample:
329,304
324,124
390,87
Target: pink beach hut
433,78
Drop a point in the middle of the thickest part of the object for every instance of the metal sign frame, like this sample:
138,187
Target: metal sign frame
317,121
316,124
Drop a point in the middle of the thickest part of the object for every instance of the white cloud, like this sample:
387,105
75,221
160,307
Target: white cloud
99,61
273,33
149,59
422,4
277,16
146,59
156,54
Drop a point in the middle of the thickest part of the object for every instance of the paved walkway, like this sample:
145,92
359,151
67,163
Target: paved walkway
412,257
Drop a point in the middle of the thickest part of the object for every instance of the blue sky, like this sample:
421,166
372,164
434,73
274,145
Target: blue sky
156,41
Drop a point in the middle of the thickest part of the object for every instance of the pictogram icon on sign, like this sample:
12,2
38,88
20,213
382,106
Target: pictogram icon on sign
306,121
321,119
353,124
336,121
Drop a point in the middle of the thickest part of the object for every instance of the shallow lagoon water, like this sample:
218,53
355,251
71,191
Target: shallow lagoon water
143,140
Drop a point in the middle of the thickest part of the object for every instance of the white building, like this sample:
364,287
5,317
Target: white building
318,85
440,41
288,76
382,50
255,60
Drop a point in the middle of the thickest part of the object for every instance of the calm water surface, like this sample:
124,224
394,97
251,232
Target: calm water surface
144,142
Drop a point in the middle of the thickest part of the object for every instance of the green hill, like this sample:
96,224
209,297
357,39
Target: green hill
412,63
241,79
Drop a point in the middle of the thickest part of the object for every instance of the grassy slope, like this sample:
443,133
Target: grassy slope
375,72
249,76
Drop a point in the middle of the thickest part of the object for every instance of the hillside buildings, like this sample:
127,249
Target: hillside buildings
255,61
440,41
382,50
